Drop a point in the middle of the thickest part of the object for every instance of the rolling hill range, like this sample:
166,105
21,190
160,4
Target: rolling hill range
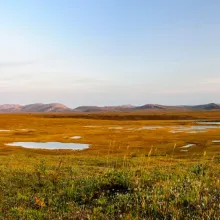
57,107
104,109
38,107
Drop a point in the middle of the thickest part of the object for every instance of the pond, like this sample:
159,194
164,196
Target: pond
76,137
116,128
181,128
188,145
208,123
193,129
50,145
150,127
5,130
216,141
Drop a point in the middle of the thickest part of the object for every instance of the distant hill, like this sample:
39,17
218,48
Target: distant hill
210,106
54,107
10,108
151,106
87,109
57,107
38,107
103,109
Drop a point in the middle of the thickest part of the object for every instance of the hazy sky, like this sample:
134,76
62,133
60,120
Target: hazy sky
110,52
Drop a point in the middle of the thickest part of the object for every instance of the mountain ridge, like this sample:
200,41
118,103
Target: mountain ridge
36,107
58,107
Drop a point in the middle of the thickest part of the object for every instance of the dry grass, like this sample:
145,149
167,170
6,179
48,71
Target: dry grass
102,139
125,174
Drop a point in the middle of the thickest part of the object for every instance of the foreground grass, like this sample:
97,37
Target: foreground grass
141,187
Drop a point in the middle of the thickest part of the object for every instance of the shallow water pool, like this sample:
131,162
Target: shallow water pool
216,141
188,145
50,145
208,123
76,137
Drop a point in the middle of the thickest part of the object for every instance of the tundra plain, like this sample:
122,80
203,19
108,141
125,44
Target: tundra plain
142,165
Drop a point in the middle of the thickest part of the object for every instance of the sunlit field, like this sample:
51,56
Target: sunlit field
154,165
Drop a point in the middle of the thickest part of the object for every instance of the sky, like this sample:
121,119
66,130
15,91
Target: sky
109,52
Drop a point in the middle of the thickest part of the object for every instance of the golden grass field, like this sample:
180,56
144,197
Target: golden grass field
73,184
105,136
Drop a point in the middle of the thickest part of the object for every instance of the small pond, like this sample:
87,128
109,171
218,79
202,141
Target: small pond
208,122
5,130
193,129
188,145
150,127
116,128
76,137
216,141
50,145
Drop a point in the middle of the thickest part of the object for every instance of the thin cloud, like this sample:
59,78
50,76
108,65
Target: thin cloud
16,64
89,81
190,90
211,80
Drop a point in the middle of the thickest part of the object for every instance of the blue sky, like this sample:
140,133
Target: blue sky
110,52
